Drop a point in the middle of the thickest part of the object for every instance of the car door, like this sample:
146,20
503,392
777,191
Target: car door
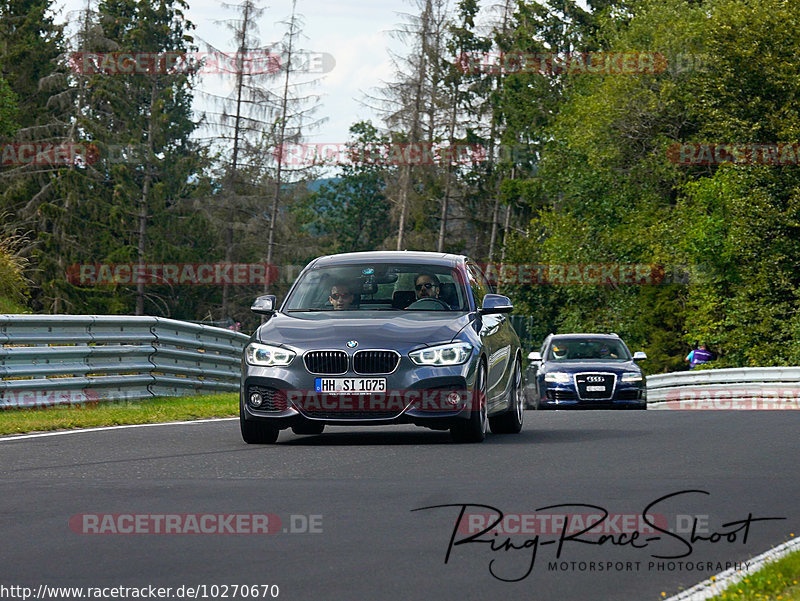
498,341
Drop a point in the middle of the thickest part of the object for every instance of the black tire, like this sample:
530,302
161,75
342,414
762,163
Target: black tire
308,428
511,421
257,432
474,429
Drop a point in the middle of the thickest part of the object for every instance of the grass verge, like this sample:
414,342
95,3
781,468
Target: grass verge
777,581
147,411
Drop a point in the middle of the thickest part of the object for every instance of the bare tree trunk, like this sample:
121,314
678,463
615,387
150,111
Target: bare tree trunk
280,142
148,178
234,166
506,225
405,180
496,210
449,178
405,183
493,238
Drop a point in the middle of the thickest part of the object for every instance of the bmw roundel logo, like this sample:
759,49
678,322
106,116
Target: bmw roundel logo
352,343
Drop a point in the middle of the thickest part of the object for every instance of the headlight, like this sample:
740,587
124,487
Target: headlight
266,355
445,354
557,377
631,376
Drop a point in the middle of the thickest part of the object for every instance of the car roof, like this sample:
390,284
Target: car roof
390,256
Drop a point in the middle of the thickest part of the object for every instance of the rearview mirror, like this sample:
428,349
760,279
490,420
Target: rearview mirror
639,356
534,356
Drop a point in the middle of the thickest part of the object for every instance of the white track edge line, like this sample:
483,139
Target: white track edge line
710,588
102,428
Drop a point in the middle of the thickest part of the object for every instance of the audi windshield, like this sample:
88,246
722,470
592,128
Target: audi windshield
587,349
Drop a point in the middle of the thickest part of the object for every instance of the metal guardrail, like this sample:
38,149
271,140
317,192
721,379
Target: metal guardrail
770,383
67,359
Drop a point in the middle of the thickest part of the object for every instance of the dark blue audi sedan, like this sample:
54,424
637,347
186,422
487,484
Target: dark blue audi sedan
585,371
384,338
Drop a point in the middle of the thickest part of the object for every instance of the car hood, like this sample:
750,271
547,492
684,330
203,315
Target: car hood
586,366
371,329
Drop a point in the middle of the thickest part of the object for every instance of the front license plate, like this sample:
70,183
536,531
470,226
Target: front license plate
350,385
595,388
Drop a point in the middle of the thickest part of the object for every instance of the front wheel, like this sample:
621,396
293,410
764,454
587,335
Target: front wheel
474,429
511,421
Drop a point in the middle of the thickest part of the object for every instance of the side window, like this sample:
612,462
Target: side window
478,283
484,280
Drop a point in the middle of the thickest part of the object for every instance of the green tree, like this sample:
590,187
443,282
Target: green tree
8,110
150,112
352,211
30,44
603,189
13,283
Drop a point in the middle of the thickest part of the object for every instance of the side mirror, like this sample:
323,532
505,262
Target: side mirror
534,356
264,305
639,356
496,303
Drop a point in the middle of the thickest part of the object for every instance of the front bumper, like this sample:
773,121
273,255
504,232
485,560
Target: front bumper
413,396
565,396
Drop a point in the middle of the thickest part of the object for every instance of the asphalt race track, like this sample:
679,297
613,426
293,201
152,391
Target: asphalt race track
357,488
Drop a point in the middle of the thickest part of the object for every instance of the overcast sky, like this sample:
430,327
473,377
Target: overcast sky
354,32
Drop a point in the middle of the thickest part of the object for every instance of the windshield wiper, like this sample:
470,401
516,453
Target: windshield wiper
307,310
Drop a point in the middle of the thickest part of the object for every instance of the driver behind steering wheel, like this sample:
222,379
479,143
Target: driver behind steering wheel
426,285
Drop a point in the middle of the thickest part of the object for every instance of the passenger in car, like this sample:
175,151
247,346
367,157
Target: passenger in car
605,353
341,297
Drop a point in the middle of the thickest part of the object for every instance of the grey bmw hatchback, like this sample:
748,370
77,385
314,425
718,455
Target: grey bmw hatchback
377,338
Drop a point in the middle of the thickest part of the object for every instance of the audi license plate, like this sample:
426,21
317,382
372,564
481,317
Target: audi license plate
595,388
350,385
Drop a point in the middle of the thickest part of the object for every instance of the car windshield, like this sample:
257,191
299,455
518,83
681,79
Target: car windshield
379,286
587,349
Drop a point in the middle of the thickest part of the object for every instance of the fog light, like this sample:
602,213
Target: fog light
255,399
453,398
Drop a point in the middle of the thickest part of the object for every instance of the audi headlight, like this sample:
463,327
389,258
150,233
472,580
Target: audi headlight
266,355
445,354
631,376
557,377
